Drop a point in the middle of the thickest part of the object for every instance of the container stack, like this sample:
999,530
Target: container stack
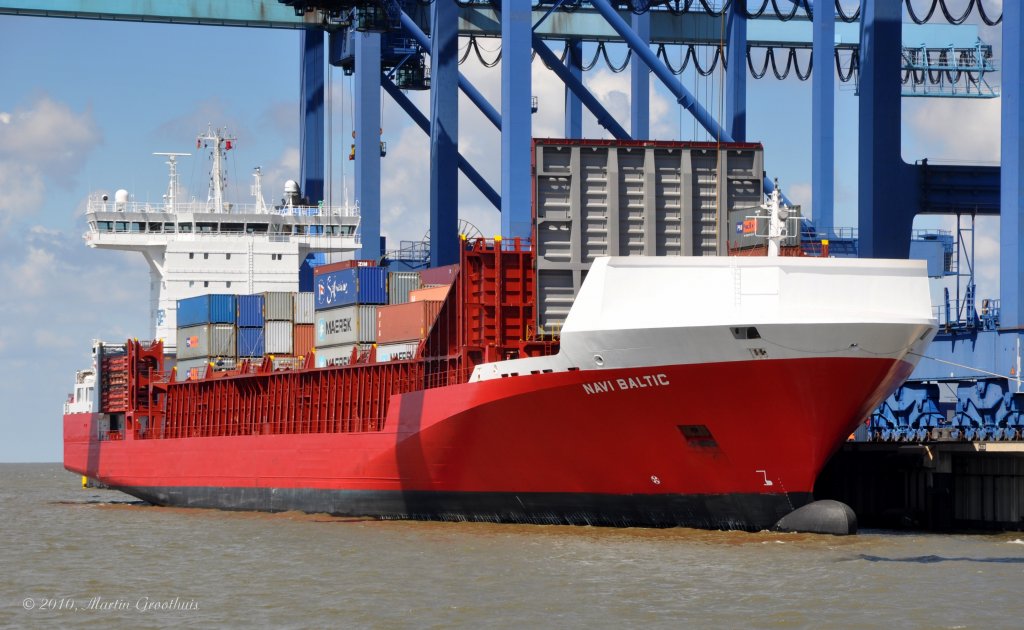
250,326
206,333
415,300
278,323
401,327
303,334
346,298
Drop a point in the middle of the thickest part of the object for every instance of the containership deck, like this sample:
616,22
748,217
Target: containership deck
702,391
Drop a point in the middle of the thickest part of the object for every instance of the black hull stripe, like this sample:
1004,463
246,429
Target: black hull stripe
751,512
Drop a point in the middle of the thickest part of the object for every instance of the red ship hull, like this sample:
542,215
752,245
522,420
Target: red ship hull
610,447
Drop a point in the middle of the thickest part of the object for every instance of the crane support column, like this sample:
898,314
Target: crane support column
682,95
367,129
640,83
1011,235
823,140
888,188
573,104
516,93
736,75
444,133
311,113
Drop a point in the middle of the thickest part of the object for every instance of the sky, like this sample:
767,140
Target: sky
85,103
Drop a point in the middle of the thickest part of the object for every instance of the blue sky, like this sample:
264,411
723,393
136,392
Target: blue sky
86,103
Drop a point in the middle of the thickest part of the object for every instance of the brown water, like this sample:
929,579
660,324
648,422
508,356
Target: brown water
64,547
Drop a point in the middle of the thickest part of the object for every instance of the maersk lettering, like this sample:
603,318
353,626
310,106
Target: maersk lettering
338,325
622,384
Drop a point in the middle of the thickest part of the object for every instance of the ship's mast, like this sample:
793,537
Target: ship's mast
171,198
221,143
778,212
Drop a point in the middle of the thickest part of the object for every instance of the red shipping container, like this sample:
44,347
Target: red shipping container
432,294
439,275
406,322
345,264
303,339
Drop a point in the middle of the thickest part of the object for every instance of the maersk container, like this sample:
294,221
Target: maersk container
396,351
399,285
346,325
277,306
304,339
336,355
303,308
356,285
213,308
250,311
207,340
251,342
277,337
406,322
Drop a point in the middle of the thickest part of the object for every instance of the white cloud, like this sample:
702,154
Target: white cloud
43,144
960,130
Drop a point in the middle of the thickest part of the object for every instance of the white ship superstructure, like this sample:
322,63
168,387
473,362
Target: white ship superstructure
197,247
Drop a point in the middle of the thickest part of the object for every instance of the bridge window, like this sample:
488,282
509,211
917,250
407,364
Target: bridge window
185,228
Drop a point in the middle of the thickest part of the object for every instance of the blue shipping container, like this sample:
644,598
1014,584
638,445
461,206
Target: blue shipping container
206,309
356,285
250,310
250,342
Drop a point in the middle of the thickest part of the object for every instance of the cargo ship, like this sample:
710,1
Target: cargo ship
676,390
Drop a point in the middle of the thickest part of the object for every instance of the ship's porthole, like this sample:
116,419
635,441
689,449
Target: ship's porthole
599,360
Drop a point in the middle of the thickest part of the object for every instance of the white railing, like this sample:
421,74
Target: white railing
201,207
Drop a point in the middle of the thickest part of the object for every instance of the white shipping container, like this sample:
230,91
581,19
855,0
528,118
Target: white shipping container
207,340
277,305
277,338
396,351
336,355
399,285
303,308
346,325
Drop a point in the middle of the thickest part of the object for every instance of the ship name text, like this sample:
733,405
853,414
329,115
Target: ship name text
622,384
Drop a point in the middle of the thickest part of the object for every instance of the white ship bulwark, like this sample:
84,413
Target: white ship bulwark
648,311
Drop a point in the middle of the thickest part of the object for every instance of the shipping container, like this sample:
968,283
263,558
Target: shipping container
345,264
406,322
337,355
250,342
208,340
277,338
396,351
303,308
346,325
206,309
304,339
430,294
358,285
438,275
277,306
250,311
399,285
195,369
